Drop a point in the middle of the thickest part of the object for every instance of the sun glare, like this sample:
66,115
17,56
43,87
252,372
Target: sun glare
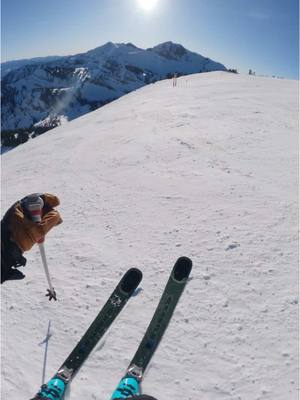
147,4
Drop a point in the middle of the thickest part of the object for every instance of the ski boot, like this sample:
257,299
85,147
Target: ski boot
53,390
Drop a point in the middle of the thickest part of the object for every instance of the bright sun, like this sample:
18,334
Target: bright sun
147,4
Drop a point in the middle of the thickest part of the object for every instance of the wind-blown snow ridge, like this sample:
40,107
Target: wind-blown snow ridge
207,170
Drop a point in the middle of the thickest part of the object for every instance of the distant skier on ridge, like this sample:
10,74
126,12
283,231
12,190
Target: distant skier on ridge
175,79
19,231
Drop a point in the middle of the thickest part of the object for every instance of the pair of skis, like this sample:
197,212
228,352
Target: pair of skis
129,385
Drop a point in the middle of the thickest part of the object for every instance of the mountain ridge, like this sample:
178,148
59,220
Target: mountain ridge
41,95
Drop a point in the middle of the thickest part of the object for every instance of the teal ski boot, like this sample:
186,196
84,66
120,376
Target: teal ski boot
129,386
53,390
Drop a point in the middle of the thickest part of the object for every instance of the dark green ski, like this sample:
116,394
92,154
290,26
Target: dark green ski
55,389
130,384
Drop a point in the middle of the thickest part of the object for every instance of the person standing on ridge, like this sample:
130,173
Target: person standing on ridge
19,231
175,79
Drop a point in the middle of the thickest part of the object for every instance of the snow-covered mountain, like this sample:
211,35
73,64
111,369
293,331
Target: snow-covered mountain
43,94
9,66
208,170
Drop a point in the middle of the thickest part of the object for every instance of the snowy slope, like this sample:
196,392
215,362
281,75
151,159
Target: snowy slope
207,170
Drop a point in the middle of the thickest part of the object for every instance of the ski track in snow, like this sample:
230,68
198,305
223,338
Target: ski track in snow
208,170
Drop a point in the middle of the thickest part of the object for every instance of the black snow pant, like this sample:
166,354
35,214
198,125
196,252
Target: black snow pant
11,254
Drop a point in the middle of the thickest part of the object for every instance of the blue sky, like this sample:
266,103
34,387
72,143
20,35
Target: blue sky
259,34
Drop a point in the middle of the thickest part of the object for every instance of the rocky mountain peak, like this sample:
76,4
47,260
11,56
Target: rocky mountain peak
170,50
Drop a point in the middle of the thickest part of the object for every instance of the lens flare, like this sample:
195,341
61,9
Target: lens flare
147,4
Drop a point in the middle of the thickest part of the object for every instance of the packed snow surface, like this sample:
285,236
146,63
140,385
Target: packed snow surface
207,169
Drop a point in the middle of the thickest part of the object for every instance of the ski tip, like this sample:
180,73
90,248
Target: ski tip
182,269
131,280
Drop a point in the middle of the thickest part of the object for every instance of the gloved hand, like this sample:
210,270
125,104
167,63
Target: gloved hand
24,231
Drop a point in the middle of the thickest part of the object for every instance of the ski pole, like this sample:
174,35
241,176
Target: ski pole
34,204
46,342
51,292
